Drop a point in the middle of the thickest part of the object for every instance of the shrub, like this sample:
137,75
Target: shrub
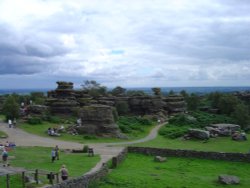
85,148
130,124
89,137
34,121
54,119
173,131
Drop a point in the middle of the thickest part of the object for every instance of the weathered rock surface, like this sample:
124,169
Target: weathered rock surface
98,120
225,129
62,100
37,109
228,179
198,133
160,159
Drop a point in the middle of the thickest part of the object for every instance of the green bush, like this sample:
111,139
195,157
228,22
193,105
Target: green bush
85,148
131,124
54,119
89,137
171,131
34,121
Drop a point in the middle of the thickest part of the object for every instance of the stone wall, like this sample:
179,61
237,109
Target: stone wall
119,158
83,181
242,157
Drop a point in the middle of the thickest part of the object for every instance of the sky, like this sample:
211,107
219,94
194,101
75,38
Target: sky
128,43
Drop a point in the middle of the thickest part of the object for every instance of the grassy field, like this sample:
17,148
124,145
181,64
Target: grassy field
3,134
140,171
39,158
41,130
220,144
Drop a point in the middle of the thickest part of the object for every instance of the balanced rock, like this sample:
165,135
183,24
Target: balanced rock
98,120
228,179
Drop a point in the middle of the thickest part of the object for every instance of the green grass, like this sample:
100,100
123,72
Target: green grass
41,130
3,134
220,144
140,171
32,158
2,117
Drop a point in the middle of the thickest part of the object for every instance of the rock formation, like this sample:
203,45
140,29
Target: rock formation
96,111
98,120
62,100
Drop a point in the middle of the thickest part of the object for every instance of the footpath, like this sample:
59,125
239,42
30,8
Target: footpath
105,150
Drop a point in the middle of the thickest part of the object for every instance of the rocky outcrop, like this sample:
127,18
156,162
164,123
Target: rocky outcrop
37,109
98,120
65,99
228,179
62,100
175,104
198,133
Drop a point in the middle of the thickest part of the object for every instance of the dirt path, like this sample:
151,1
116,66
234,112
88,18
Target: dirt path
105,150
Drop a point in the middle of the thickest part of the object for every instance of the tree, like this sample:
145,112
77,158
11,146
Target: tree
241,115
184,94
118,90
93,88
136,93
37,97
171,92
227,104
193,102
157,91
11,108
215,97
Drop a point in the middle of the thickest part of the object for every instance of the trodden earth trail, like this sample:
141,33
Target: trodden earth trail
105,150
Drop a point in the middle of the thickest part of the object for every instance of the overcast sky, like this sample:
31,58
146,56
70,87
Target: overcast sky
131,43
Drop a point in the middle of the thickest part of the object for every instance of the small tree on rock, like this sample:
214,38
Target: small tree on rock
10,108
157,91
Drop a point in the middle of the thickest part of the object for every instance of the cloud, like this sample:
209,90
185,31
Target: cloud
130,43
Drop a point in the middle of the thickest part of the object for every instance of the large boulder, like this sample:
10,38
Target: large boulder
199,134
228,179
160,159
98,120
226,129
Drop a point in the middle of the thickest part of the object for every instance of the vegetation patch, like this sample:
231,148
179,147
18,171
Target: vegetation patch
134,126
32,158
179,124
3,134
140,171
219,144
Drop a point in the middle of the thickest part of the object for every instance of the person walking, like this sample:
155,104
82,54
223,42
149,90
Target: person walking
10,123
64,173
53,155
5,157
57,152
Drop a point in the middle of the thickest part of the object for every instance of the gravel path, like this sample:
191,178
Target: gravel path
105,150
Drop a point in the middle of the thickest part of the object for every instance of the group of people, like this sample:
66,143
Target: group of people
55,156
53,132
